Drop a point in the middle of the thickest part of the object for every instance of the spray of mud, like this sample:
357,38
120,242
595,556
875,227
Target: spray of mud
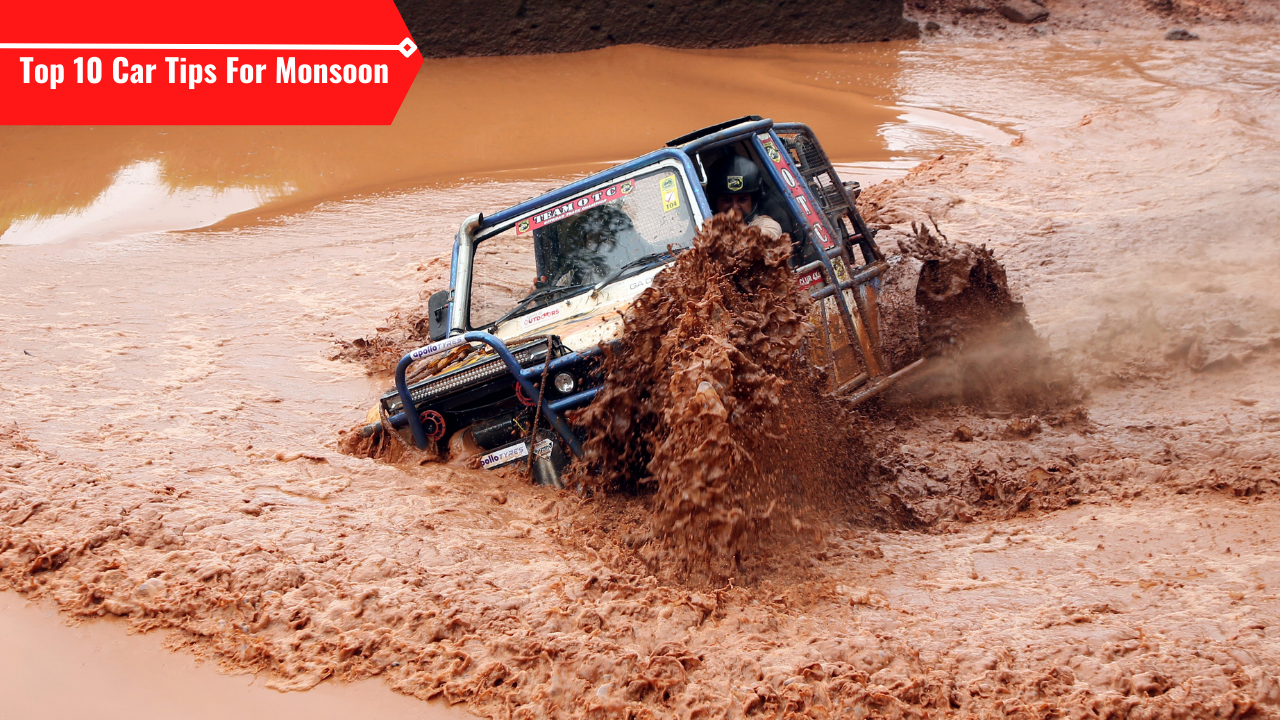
982,349
709,404
385,446
711,413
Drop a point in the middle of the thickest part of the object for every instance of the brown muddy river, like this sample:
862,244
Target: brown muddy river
169,298
465,120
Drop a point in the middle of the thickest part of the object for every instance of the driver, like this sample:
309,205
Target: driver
734,183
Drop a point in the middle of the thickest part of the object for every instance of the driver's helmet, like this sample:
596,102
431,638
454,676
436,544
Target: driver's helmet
734,174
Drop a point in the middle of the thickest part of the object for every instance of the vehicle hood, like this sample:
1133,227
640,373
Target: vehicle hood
582,322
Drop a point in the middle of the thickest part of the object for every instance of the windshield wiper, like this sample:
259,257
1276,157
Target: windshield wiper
642,260
531,297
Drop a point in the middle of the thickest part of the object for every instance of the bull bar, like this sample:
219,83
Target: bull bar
523,376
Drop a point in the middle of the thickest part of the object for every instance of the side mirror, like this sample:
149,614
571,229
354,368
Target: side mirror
438,315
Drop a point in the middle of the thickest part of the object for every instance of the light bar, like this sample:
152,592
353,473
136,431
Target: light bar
436,387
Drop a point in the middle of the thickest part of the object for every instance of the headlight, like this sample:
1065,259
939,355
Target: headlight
565,383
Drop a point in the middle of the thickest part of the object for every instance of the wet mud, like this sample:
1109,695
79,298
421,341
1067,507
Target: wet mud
709,408
121,676
175,464
554,26
1003,19
981,347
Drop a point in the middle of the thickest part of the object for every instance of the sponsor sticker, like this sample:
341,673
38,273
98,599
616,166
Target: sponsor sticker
543,448
841,274
670,195
505,455
436,348
572,207
642,283
809,279
540,317
734,183
798,191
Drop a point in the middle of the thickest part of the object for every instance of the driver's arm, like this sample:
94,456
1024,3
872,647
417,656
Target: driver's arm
767,225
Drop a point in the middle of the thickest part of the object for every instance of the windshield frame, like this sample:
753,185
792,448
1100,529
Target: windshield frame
462,283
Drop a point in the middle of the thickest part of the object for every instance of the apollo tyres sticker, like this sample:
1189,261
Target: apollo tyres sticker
505,455
798,190
575,206
670,195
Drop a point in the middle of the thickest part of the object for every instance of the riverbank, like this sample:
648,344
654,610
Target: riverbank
959,19
558,26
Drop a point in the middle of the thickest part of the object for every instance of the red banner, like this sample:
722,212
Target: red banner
234,62
575,206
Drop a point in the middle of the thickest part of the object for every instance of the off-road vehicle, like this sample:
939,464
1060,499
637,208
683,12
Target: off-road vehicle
504,366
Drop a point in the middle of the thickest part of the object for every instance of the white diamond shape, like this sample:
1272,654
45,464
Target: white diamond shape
407,47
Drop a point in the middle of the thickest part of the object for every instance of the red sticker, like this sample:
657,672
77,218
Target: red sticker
809,279
573,207
798,191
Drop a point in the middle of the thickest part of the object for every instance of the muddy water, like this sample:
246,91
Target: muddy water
474,118
1162,217
169,412
117,676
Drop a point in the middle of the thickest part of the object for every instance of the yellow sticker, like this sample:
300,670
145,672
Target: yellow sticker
841,273
670,195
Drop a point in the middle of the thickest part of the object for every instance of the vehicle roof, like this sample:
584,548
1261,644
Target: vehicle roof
681,147
711,129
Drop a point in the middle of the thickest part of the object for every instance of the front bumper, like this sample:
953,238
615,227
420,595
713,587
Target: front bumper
418,398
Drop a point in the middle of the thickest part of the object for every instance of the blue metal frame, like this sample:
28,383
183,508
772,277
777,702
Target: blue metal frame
550,410
833,280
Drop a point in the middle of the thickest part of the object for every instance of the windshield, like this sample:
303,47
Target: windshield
562,250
